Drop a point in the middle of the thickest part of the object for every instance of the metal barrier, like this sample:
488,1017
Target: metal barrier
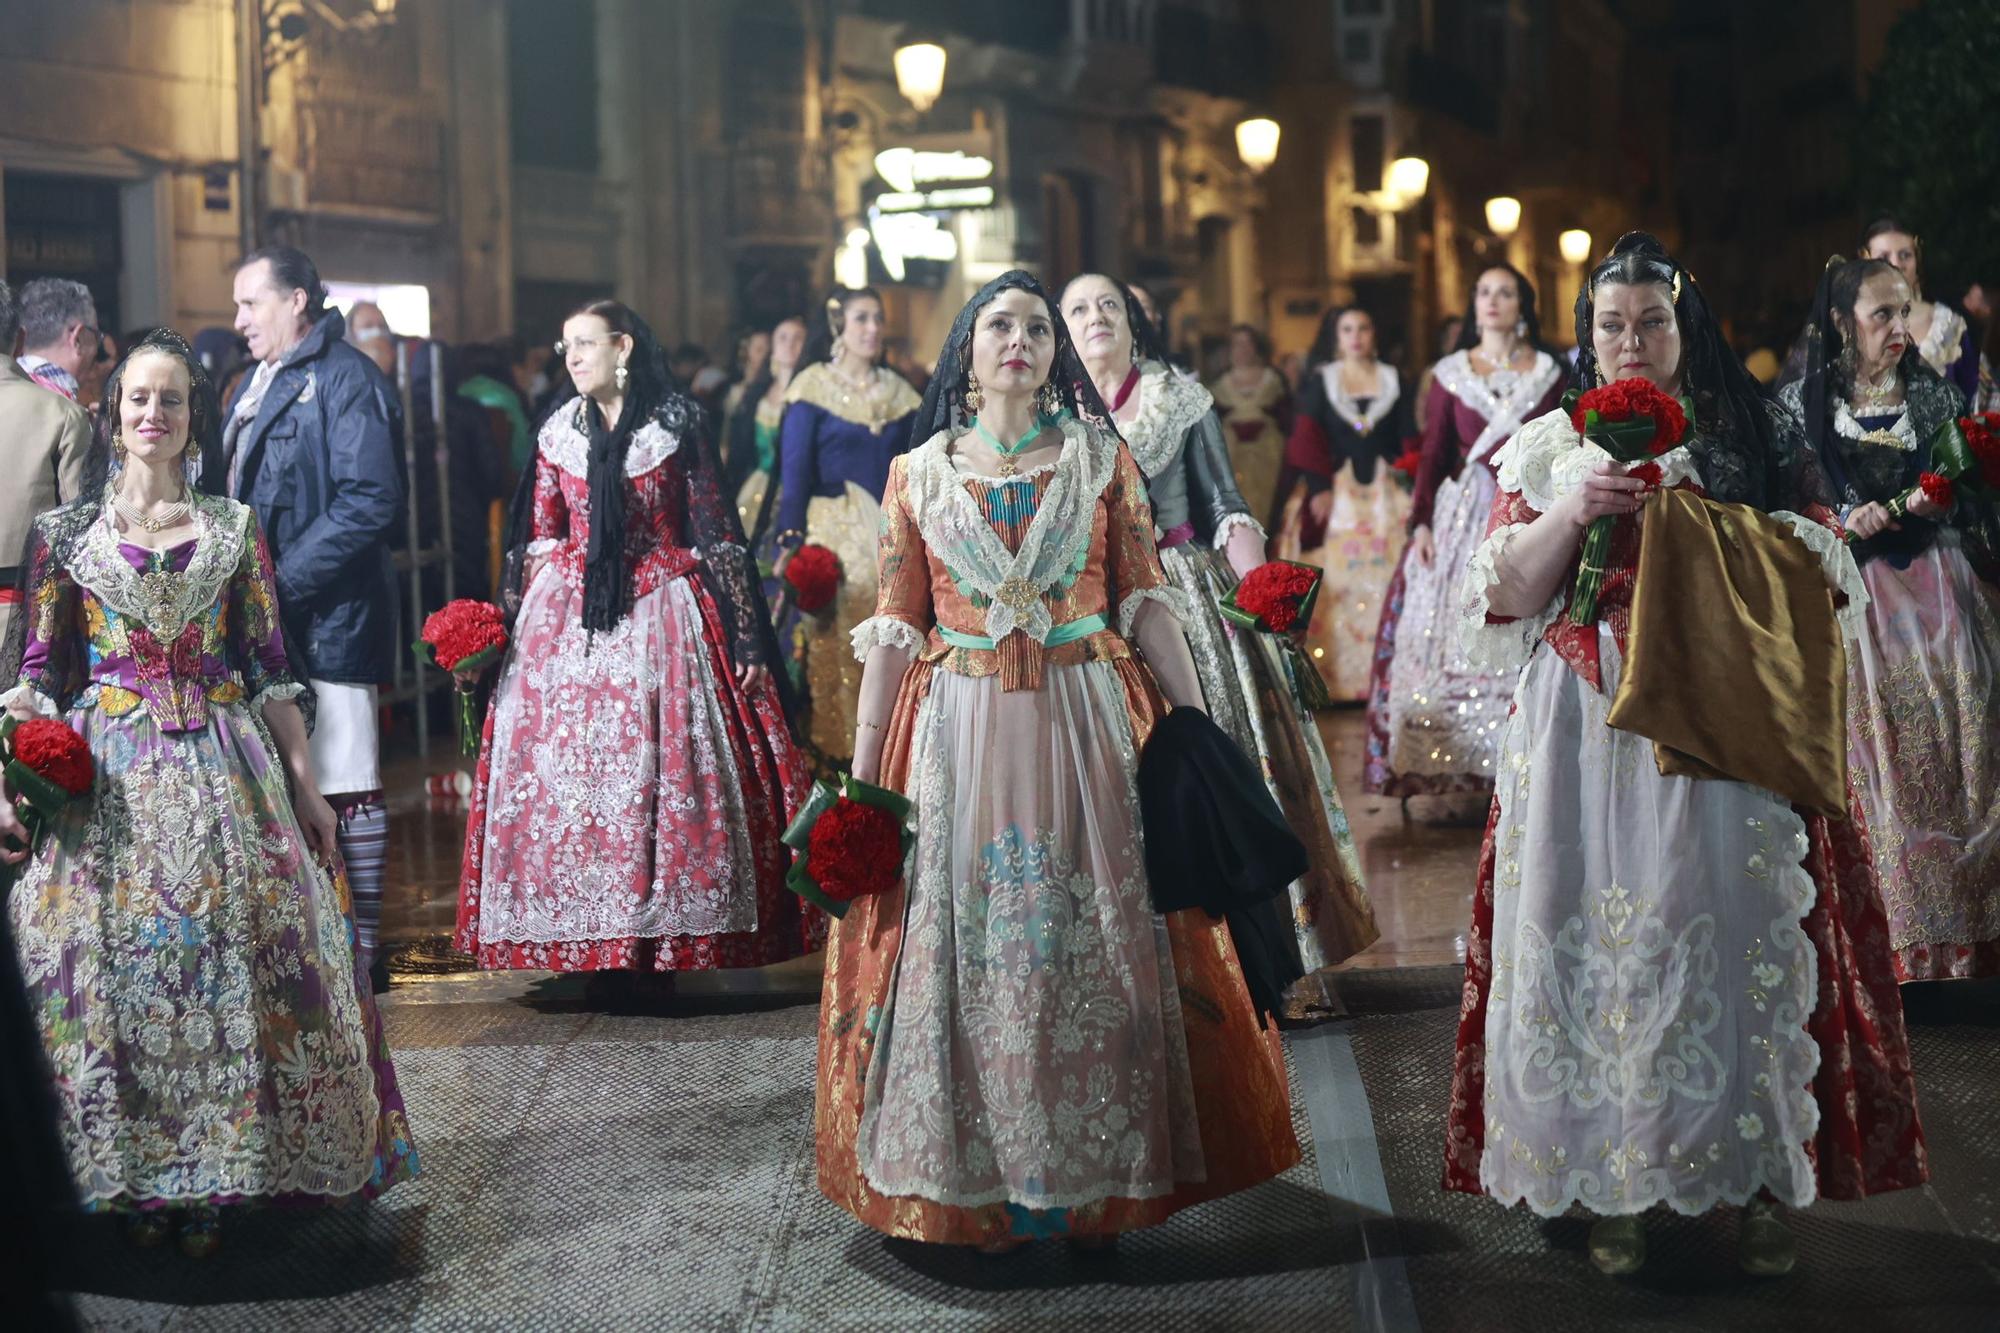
413,680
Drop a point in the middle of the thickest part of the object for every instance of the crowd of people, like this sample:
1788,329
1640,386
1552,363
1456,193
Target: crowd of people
1721,826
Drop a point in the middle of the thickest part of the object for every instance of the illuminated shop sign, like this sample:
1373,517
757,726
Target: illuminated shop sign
923,180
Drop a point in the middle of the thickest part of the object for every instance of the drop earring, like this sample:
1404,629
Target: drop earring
974,399
621,375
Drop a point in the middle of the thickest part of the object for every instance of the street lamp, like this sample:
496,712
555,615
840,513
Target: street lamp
1409,177
920,73
1575,245
1503,215
1257,142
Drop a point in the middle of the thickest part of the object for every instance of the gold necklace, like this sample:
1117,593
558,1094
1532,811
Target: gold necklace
1878,393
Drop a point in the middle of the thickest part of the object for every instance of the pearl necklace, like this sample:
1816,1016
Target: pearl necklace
171,516
1877,394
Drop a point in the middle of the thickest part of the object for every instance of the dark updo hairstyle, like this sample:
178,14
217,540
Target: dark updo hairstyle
291,270
943,407
1147,343
823,337
1326,343
1257,340
1468,333
1731,437
1882,226
204,443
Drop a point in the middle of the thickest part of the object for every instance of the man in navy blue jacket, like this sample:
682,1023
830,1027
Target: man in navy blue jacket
308,446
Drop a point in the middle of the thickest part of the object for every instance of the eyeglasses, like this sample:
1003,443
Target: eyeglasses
103,352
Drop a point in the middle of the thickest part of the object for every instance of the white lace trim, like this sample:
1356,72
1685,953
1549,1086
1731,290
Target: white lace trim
885,632
1502,397
40,704
1169,406
541,546
1016,584
1941,346
285,690
1902,432
1506,646
1837,561
1233,522
566,444
1389,387
162,601
1173,599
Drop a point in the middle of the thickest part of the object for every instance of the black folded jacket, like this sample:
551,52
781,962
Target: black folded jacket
1215,839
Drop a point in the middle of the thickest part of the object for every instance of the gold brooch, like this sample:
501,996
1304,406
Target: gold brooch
1017,594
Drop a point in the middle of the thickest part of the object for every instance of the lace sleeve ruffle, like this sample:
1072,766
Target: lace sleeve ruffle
1230,524
1173,599
1842,574
27,696
885,632
1548,460
1503,645
277,691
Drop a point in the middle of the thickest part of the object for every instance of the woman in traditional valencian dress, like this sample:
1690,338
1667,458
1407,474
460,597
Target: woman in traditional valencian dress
846,415
752,430
1352,418
1678,990
1433,720
1208,540
187,950
1923,684
1941,335
637,769
1012,1042
1255,405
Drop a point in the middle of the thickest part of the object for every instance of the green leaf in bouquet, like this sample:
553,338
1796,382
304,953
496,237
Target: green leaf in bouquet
33,790
1951,452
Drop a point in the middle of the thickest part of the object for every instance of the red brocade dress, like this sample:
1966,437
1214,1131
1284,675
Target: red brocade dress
1677,991
630,793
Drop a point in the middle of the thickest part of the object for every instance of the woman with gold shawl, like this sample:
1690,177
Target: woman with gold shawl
1678,987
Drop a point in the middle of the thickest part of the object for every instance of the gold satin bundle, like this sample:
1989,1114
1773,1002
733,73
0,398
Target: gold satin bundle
1734,665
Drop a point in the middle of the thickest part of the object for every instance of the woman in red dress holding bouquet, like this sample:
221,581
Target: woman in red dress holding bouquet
1678,990
638,769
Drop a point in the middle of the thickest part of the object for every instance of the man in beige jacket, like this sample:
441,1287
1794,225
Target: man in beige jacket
45,443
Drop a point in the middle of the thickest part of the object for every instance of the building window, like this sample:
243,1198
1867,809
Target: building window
1362,9
552,84
1357,48
1369,148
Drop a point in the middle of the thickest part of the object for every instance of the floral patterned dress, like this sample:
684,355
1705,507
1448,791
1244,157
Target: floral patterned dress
191,965
1677,991
630,793
1013,1043
1923,695
1434,722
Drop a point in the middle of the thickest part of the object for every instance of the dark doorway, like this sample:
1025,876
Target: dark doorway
66,227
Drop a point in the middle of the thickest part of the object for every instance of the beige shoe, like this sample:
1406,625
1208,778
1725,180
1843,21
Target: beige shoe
1765,1246
1618,1245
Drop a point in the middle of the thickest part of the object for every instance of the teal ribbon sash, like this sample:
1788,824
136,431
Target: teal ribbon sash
1060,635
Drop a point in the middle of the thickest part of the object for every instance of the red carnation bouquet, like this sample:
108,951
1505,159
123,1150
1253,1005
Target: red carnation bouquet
812,577
1634,422
1277,597
1408,463
1965,461
851,841
466,635
46,763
